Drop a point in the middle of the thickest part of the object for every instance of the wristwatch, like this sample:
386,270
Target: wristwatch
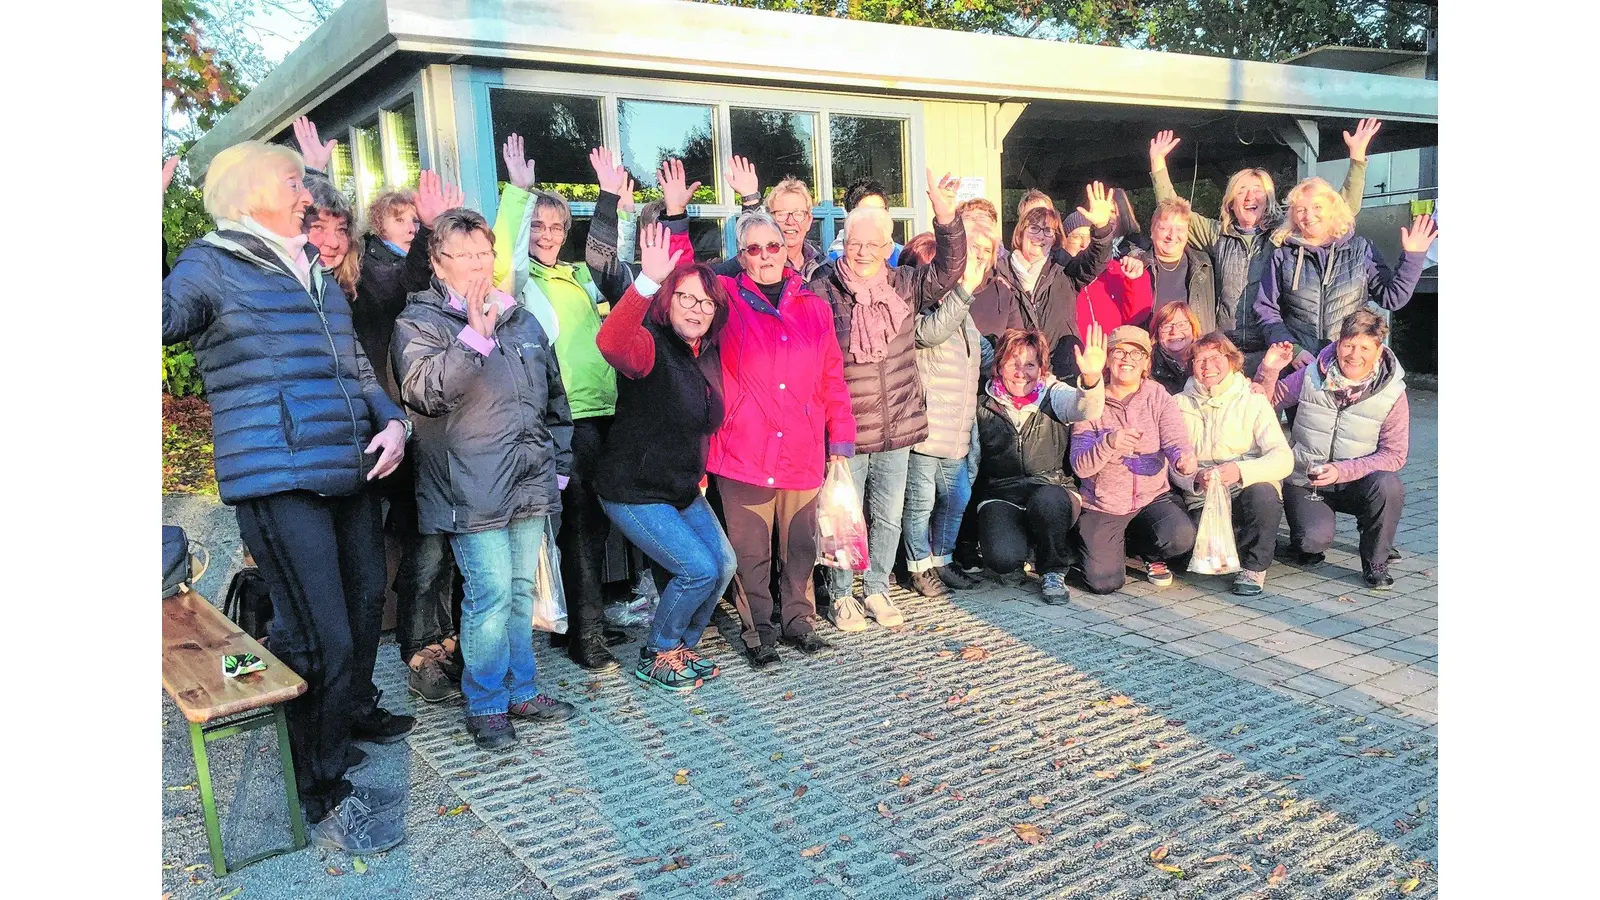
750,199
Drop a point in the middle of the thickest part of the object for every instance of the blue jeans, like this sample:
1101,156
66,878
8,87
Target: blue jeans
881,485
690,544
497,571
937,491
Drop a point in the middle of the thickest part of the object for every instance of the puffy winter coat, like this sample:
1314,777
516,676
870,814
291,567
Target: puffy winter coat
387,280
1309,290
1114,299
1325,432
493,428
294,401
1021,448
887,395
1052,306
1232,423
1118,485
949,355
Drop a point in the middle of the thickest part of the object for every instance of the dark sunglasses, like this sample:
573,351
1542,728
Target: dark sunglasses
772,249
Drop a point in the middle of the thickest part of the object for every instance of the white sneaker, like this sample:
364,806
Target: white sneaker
879,607
846,615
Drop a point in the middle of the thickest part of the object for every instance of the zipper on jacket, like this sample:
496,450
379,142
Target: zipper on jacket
316,303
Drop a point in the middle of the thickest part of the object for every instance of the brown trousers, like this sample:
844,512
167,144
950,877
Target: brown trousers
749,512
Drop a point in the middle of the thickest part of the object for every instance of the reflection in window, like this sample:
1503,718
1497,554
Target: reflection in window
865,147
402,163
341,171
369,165
779,143
652,132
558,131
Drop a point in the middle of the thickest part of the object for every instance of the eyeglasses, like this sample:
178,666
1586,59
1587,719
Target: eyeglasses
1039,231
690,301
859,246
295,185
541,228
481,256
1135,354
790,215
1210,361
773,248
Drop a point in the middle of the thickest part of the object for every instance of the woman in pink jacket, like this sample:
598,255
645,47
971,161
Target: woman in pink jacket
1122,459
788,410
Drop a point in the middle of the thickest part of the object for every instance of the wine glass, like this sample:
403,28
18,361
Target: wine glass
1313,471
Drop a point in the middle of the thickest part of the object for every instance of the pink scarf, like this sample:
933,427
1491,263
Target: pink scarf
877,314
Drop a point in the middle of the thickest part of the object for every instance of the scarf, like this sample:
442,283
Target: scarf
1347,393
291,250
877,314
1027,273
997,389
398,250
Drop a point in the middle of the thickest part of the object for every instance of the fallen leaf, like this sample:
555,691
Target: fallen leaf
903,780
1170,869
1376,752
929,735
1105,773
1038,801
788,695
458,810
939,787
1216,859
1346,739
799,792
1278,874
845,838
775,757
194,867
957,795
682,777
1058,763
726,880
678,862
993,747
719,824
974,654
883,810
1213,802
1238,729
1346,600
1422,807
1158,854
988,840
813,850
697,711
1294,778
1409,885
335,871
644,860
1030,834
1120,700
904,857
181,787
1403,826
1246,867
1099,844
359,864
1068,742
1286,802
1143,764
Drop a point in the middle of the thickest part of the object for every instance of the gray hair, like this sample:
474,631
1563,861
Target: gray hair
326,199
870,215
458,221
244,177
752,219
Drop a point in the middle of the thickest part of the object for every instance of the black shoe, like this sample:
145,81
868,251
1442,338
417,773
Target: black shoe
953,577
1378,577
558,641
1308,559
928,584
763,657
809,644
381,727
589,652
492,732
354,757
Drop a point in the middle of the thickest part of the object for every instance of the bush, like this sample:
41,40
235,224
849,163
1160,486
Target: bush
179,375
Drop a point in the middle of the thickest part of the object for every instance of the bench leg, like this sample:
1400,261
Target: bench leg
297,820
208,803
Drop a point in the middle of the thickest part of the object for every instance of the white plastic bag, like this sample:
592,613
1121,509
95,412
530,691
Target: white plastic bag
841,527
1215,552
549,595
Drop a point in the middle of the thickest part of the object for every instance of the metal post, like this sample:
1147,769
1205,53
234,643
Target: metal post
208,803
297,819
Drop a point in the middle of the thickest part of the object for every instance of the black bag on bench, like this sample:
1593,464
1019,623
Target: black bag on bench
249,603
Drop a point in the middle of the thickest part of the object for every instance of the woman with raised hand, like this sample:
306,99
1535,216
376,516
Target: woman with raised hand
1122,458
1237,441
662,340
1237,240
1048,281
1026,499
494,450
1322,271
875,315
302,430
329,224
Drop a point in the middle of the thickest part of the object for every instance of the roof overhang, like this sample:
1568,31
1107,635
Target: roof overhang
1353,59
701,41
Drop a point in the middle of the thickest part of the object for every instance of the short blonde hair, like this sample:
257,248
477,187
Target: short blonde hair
871,215
1171,208
384,205
977,208
789,185
244,178
1236,187
553,200
1343,218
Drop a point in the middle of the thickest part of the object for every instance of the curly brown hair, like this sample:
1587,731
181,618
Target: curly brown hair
1017,340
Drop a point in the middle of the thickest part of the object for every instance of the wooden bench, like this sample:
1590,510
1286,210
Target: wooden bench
195,636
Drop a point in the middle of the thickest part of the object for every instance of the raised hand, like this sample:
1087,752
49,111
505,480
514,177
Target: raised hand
673,190
168,166
742,176
608,173
1132,267
1365,129
942,194
1278,357
434,196
519,169
1420,236
1125,441
1100,205
625,201
655,263
312,149
1092,356
1162,144
477,291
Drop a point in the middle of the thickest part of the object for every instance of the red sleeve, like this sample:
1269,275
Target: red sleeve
624,341
680,241
1139,297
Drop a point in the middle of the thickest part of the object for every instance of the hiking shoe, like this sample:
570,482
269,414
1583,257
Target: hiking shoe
701,666
668,670
589,652
427,679
1159,574
1393,554
355,827
491,732
1306,560
1248,583
881,608
847,614
544,709
809,643
381,727
928,584
378,799
955,578
764,656
1055,587
1378,577
451,661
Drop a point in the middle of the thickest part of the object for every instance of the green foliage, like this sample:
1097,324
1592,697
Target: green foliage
179,375
195,80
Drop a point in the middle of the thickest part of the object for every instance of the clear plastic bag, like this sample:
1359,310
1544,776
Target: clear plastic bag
1215,552
841,527
549,594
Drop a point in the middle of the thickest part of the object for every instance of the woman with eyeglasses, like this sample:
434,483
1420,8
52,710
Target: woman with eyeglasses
662,339
875,314
1122,460
1175,329
1047,281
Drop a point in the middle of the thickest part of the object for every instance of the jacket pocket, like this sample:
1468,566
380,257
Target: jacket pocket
285,420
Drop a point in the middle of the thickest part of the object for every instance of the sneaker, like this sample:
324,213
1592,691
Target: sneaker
491,732
764,656
928,584
953,577
1007,579
881,608
589,652
809,643
668,670
427,679
701,666
381,727
379,799
1159,574
355,827
847,614
1248,583
1393,554
1378,577
544,709
1055,587
1307,560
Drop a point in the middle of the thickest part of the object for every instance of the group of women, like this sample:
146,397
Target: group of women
1065,397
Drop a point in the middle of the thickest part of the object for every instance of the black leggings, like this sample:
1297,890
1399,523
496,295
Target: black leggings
1156,533
1043,523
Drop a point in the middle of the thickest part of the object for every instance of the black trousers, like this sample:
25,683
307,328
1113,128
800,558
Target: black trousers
583,532
323,560
423,608
1256,511
1044,523
1156,533
1376,500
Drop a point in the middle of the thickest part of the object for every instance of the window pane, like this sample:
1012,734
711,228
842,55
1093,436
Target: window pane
369,174
777,142
402,163
706,236
652,132
868,148
341,171
558,131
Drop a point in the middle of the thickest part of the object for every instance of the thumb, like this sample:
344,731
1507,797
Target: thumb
676,255
692,188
